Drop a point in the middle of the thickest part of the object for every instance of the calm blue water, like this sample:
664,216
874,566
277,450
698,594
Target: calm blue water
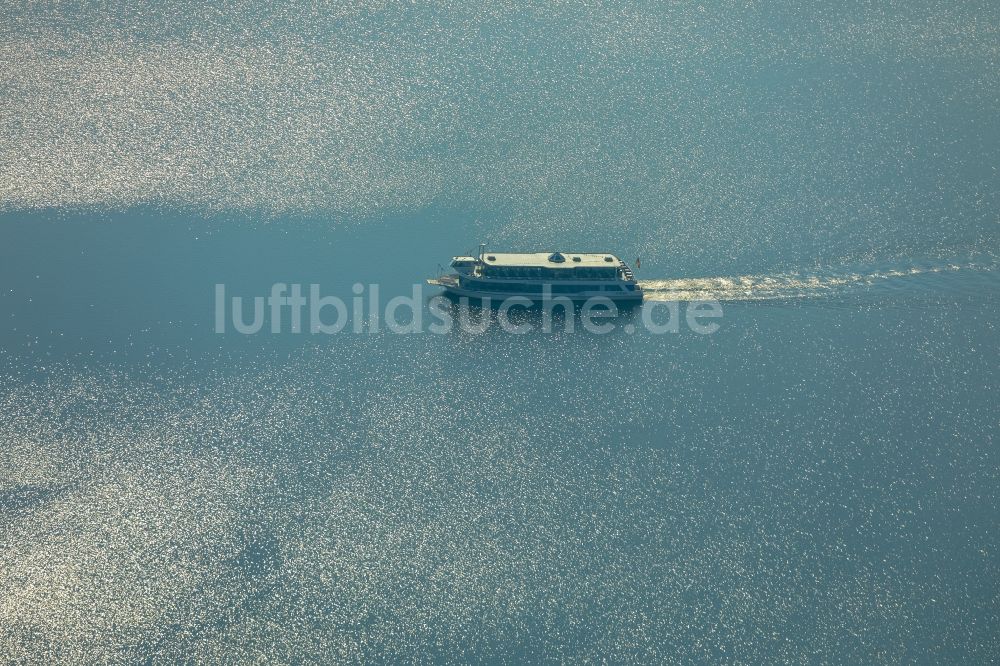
817,481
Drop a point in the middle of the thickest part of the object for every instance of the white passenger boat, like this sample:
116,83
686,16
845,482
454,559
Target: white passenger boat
578,276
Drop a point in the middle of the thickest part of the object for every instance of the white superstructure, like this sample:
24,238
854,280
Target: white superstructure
536,275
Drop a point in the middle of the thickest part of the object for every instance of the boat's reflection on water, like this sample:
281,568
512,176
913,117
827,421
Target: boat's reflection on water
520,315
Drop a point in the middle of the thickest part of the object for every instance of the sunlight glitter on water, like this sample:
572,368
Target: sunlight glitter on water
805,485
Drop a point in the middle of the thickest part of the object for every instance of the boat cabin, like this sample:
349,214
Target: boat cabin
541,266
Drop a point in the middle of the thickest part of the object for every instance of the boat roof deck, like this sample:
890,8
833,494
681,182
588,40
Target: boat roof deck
542,259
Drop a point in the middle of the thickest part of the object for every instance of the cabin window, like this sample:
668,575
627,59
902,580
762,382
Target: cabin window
572,288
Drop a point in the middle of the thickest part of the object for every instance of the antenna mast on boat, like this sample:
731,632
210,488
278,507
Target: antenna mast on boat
482,250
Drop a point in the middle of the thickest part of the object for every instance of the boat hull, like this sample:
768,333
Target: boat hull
455,289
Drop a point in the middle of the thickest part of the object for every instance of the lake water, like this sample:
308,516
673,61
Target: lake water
816,481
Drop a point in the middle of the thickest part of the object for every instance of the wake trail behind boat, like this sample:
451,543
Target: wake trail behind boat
949,277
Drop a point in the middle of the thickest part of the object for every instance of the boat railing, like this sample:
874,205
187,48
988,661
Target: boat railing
622,272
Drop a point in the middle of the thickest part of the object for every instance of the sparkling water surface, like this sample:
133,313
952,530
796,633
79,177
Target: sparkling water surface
815,482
